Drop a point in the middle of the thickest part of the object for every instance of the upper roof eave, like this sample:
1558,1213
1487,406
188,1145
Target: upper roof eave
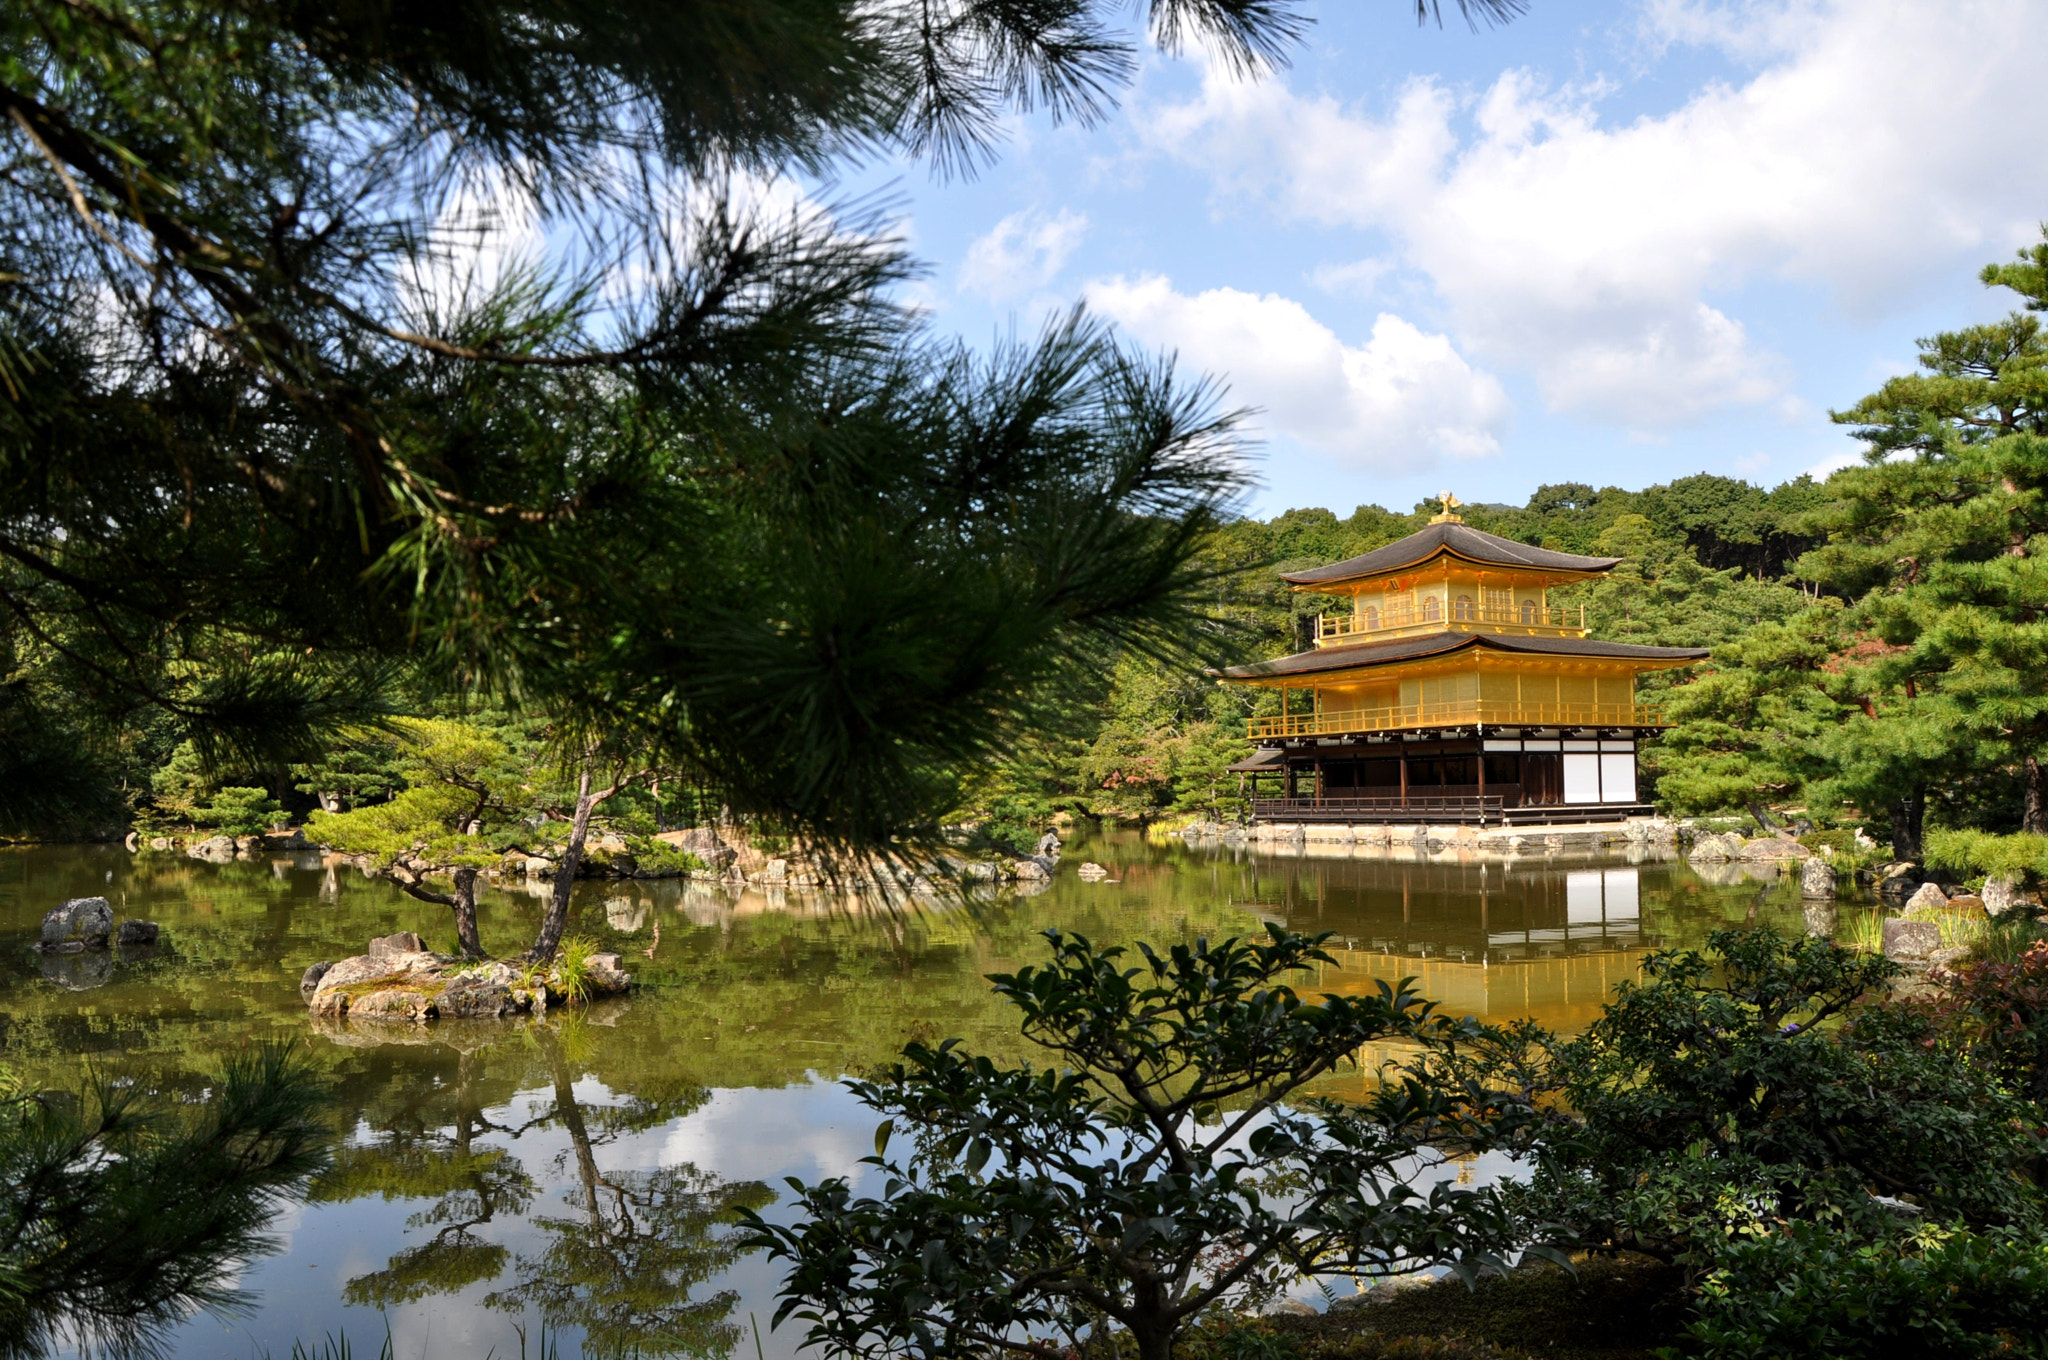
1456,539
1371,654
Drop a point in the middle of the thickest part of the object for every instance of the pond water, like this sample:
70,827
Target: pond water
575,1179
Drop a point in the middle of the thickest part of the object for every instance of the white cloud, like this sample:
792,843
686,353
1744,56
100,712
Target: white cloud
1399,401
1022,253
1360,278
1871,154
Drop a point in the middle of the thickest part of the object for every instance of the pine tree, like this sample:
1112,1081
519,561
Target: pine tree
1939,539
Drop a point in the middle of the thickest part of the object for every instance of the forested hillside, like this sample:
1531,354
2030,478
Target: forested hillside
1708,559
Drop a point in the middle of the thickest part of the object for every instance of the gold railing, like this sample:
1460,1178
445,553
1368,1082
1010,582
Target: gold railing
1387,620
1458,712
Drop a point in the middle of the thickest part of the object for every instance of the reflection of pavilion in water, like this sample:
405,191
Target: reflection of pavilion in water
1542,940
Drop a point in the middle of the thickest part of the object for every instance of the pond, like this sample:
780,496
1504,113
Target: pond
574,1180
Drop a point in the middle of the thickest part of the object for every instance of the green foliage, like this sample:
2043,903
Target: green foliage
2020,855
571,973
1940,1292
1722,1095
361,768
659,859
1167,1162
119,1215
238,811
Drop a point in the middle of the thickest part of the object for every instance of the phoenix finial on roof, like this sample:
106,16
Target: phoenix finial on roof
1449,513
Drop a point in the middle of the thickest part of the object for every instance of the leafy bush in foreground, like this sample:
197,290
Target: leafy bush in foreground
1805,1291
1170,1163
1747,1086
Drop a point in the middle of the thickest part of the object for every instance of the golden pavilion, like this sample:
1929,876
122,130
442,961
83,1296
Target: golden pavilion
1453,691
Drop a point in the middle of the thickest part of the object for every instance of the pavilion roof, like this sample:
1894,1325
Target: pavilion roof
1457,539
1367,654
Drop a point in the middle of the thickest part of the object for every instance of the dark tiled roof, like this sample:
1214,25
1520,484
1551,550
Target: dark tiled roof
1461,539
1432,644
1265,758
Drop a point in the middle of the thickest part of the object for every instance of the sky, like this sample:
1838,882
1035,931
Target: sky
1613,243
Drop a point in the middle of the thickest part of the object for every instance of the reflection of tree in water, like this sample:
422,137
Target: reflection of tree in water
624,1269
424,1157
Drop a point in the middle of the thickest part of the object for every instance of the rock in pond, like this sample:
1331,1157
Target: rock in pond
1775,849
310,979
2000,895
1928,897
1911,941
81,923
1816,879
390,946
394,983
1091,872
137,932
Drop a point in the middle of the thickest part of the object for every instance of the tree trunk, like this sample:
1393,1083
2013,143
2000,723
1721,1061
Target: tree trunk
1155,1341
557,918
2035,816
1906,815
465,914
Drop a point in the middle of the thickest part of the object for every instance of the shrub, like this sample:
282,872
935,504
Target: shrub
1982,852
237,811
1166,1164
1722,1095
1804,1291
659,859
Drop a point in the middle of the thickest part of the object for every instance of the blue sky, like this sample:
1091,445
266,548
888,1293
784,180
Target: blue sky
1614,243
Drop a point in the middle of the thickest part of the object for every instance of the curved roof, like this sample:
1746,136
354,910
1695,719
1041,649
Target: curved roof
1435,644
1458,539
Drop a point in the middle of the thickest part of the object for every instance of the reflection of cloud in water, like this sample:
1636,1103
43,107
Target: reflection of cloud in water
812,1131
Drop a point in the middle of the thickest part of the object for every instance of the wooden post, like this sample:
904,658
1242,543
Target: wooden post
1319,781
1481,757
1404,776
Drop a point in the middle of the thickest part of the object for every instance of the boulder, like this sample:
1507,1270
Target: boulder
474,998
352,972
84,922
1896,883
1816,879
396,1003
389,946
1911,941
775,870
1031,870
214,850
1048,846
1947,960
1774,849
605,976
2000,895
1928,897
137,932
536,867
1092,872
1715,849
702,842
309,981
1291,1308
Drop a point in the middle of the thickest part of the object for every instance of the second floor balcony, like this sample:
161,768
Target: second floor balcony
1461,612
